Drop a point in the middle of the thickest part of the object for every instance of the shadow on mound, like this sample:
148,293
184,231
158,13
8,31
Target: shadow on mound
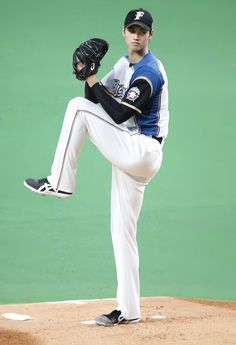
213,303
10,337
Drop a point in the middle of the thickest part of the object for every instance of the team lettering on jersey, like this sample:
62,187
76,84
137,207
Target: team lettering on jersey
118,89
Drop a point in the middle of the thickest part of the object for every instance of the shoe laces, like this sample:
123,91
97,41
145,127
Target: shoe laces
115,316
43,180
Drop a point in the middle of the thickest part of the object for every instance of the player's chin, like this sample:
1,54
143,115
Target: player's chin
138,50
135,45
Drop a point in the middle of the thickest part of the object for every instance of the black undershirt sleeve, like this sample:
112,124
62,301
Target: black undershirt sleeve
131,104
88,93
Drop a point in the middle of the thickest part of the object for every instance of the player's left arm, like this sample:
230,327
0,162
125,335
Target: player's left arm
88,94
132,103
106,82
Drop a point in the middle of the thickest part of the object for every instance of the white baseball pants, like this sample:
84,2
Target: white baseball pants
135,159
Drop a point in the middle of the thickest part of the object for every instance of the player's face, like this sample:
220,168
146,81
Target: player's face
137,39
80,66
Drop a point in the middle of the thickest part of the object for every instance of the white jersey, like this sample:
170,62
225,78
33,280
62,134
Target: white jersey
118,80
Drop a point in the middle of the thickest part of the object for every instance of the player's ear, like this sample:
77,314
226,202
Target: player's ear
151,34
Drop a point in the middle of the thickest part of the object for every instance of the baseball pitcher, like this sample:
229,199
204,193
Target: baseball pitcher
125,115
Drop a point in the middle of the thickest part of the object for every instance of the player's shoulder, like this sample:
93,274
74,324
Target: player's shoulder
122,62
149,68
149,63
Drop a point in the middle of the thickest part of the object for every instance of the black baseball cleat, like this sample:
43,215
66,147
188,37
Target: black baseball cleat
43,187
114,318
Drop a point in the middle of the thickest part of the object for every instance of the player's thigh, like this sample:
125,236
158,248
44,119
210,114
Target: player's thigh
133,153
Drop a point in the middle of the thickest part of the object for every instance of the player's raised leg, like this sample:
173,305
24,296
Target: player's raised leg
135,154
61,182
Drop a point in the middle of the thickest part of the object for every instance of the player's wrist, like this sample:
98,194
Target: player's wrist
92,80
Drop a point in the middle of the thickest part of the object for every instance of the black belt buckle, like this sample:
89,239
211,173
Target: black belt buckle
157,138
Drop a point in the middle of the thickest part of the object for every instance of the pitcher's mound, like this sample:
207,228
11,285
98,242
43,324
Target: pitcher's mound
165,321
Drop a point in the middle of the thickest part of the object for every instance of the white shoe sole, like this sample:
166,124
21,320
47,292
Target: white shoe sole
100,321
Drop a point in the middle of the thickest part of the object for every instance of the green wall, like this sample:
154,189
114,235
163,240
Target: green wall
54,249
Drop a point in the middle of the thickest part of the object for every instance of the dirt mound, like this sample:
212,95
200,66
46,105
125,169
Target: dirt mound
165,321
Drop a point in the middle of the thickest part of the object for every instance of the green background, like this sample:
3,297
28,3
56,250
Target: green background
54,249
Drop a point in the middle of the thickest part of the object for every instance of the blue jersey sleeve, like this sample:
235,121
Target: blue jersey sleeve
153,77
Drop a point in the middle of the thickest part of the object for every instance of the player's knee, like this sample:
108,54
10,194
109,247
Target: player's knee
78,103
75,102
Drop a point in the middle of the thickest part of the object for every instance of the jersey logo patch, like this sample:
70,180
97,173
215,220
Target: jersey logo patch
133,94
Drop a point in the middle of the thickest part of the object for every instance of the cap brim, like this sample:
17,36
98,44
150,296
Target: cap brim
144,26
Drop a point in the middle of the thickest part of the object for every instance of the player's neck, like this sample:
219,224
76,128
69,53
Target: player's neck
134,57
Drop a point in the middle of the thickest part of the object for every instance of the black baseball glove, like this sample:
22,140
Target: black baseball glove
89,53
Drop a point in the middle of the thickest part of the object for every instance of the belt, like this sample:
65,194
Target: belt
157,138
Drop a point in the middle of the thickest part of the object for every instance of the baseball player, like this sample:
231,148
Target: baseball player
125,116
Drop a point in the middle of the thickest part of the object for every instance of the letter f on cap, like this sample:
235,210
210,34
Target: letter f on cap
139,14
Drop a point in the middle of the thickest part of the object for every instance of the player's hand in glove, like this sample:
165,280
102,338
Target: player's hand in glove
88,55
